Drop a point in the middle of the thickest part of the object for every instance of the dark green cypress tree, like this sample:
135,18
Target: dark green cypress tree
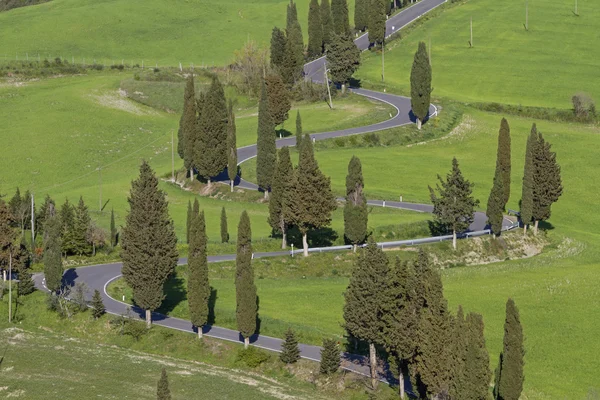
26,284
365,300
330,357
245,290
454,207
377,19
278,41
495,205
162,391
361,14
547,183
510,376
503,159
190,217
40,218
290,353
15,204
280,195
53,269
339,12
343,59
98,308
458,352
298,130
356,214
148,241
198,290
327,23
528,179
295,39
187,125
420,84
196,207
113,229
67,221
80,228
291,70
266,150
315,30
279,99
224,231
311,190
211,145
477,372
232,168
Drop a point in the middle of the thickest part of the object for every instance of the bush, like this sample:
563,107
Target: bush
583,107
252,356
330,357
129,325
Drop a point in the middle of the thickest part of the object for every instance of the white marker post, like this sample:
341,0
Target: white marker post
292,250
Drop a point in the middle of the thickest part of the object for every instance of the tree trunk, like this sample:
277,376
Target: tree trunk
419,123
354,247
266,195
199,332
246,342
148,319
535,227
454,239
231,184
208,181
283,240
524,229
191,174
401,384
305,244
93,249
373,362
343,88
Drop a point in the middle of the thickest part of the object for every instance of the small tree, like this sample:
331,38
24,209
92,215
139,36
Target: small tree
232,168
509,376
315,30
162,391
298,130
266,149
198,285
67,234
343,59
40,218
53,269
81,227
224,232
420,84
584,107
280,196
278,41
355,210
26,284
246,300
98,308
279,99
96,237
290,353
454,206
330,357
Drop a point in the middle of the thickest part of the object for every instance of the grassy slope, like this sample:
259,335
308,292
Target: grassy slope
544,66
152,30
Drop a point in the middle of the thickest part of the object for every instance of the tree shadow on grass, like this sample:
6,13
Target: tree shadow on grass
175,292
323,237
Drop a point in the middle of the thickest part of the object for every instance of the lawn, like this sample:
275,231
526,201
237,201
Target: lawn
544,66
202,32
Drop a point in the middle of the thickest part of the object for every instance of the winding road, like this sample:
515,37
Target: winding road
98,277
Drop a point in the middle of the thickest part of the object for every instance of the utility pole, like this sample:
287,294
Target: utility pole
383,61
10,284
32,222
471,32
576,12
327,84
172,158
100,189
526,15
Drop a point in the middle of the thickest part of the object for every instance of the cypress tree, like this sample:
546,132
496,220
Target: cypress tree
67,221
547,183
355,210
25,285
278,41
113,229
326,22
190,217
495,205
528,180
291,70
279,99
98,309
295,39
148,241
339,12
503,159
290,353
298,130
454,207
315,30
196,206
510,375
162,391
420,84
458,353
211,146
232,168
377,18
224,231
311,190
280,196
330,357
245,290
266,150
187,126
80,228
365,300
15,204
43,213
53,269
198,290
477,372
343,59
361,13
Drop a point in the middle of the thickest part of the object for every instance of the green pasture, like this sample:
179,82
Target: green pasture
544,66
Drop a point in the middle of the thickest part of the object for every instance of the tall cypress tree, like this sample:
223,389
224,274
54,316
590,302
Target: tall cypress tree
67,221
547,183
196,207
315,30
189,219
361,14
148,241
420,84
339,12
245,290
295,39
40,218
162,390
53,269
280,196
365,300
356,214
113,229
327,23
495,204
211,146
80,228
232,168
343,59
279,99
278,41
458,356
454,206
266,150
224,231
311,190
510,376
198,290
298,130
503,159
477,372
377,18
528,179
186,134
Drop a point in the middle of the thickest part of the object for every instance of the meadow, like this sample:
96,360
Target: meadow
543,66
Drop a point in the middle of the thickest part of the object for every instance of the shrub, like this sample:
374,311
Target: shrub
128,325
252,356
330,357
583,107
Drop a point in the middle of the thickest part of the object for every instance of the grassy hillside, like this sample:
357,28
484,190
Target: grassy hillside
544,66
203,32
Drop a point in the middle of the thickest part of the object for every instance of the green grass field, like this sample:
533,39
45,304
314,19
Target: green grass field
155,31
544,66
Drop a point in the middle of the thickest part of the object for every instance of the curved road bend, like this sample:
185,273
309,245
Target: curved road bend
99,276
